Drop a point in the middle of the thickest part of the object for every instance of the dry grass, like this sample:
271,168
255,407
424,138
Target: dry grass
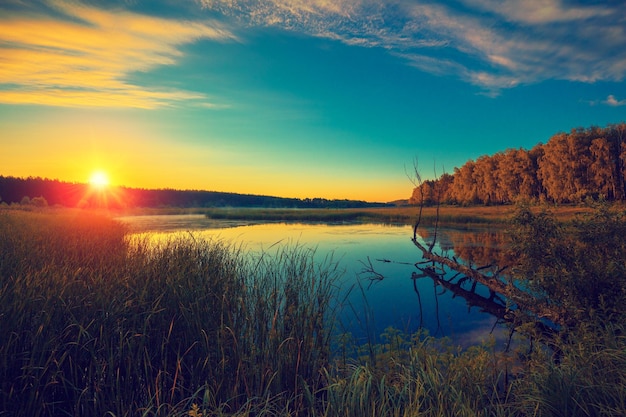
456,216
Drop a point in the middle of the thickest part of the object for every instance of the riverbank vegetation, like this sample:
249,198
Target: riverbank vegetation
449,215
95,323
92,323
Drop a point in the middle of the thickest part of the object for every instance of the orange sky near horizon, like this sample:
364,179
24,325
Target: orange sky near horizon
136,155
296,99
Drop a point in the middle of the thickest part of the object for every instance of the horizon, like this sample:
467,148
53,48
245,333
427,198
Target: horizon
296,99
112,189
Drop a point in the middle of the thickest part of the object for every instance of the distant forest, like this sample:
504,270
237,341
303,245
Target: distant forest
46,192
569,168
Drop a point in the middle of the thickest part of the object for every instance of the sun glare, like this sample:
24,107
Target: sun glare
99,180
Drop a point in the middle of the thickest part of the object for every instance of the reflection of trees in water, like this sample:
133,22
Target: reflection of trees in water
460,286
475,247
475,265
481,250
482,260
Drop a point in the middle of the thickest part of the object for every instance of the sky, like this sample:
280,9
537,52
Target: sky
293,98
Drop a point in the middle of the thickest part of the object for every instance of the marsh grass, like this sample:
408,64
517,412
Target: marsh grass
456,216
309,215
93,323
589,379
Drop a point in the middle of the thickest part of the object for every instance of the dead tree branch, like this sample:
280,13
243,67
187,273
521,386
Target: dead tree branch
523,300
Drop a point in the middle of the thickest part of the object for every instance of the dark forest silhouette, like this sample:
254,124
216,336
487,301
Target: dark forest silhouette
569,168
41,191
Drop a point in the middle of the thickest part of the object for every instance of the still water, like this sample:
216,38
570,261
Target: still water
370,306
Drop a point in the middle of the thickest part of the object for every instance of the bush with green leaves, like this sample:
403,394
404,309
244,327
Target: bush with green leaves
580,266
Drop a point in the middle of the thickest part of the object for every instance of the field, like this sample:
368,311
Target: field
94,323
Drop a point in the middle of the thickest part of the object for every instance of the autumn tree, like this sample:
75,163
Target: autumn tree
622,187
554,171
484,178
602,169
517,176
464,189
444,183
617,139
430,192
569,168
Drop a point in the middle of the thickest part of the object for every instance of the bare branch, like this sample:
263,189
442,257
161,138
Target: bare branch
524,301
372,275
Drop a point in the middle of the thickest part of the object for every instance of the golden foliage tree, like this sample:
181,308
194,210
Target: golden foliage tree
569,168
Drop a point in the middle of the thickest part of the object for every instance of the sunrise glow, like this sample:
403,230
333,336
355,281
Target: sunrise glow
99,179
341,99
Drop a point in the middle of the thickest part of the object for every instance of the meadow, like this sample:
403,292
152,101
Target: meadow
94,322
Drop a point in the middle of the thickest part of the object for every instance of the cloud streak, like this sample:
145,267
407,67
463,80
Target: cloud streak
87,58
612,101
492,44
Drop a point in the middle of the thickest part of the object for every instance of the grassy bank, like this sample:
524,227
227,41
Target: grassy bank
457,216
448,215
94,324
397,215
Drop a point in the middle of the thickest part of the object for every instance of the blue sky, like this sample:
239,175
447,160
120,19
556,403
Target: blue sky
297,98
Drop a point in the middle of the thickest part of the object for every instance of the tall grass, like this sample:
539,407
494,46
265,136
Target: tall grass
310,215
421,376
93,323
448,215
588,380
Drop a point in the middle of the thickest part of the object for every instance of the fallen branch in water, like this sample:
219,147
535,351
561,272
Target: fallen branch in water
522,300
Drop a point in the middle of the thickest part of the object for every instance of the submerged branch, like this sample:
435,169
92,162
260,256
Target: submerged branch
488,305
372,275
521,299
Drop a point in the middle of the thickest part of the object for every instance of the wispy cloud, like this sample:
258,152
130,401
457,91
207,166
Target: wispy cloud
87,56
612,101
492,44
539,11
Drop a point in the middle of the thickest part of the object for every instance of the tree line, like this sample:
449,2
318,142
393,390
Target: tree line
43,192
569,168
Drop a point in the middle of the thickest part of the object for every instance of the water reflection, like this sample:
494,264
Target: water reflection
380,287
478,246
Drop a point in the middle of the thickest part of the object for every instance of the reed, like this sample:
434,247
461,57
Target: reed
309,215
95,323
588,380
418,375
448,215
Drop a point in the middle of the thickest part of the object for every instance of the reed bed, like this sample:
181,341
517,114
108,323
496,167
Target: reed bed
93,323
310,215
447,215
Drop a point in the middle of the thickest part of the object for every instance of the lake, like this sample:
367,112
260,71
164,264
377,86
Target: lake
371,305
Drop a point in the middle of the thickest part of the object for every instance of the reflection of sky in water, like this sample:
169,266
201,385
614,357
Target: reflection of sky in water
391,301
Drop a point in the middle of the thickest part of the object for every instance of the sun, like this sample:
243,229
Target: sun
99,179
102,194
